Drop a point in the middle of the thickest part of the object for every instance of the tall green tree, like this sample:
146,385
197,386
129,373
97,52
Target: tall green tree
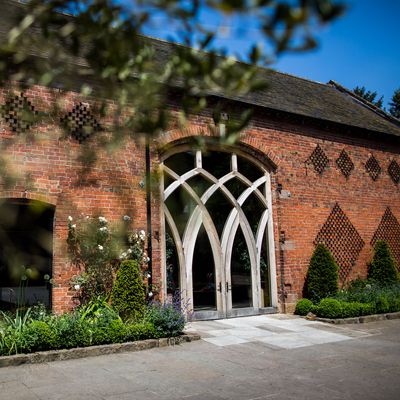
394,104
382,268
322,275
369,96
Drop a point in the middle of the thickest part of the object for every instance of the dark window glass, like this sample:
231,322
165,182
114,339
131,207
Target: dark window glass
248,169
217,163
240,273
199,184
204,285
181,205
180,162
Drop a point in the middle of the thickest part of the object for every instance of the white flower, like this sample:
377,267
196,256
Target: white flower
102,220
142,234
123,255
150,294
148,275
73,226
103,229
126,218
129,251
87,217
77,287
100,247
70,218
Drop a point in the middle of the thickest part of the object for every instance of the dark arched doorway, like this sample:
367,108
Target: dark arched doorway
26,253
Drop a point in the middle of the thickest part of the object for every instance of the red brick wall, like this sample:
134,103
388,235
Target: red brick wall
113,185
48,170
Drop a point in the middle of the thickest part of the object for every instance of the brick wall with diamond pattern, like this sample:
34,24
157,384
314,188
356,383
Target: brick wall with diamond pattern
341,183
46,160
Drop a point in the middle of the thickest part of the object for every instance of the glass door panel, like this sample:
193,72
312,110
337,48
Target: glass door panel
203,270
241,282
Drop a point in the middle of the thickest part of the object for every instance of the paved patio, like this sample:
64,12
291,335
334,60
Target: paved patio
294,359
281,331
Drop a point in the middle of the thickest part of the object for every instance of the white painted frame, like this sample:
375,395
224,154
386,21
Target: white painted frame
222,249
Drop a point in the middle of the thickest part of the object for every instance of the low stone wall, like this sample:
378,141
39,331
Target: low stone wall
81,352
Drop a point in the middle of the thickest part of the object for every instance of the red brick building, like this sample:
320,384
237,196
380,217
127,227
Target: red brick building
232,228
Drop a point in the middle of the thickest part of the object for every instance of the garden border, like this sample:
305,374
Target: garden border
91,351
358,320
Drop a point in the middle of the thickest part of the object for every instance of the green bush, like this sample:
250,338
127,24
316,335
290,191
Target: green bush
128,294
167,319
322,275
382,304
113,332
71,331
139,331
329,308
382,268
303,307
38,336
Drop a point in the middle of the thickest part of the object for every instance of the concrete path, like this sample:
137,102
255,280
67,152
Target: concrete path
363,364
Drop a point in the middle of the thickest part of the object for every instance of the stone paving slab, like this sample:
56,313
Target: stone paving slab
287,332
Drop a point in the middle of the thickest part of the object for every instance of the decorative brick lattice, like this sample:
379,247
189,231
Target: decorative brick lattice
389,231
319,160
345,164
373,168
394,171
342,239
19,113
80,122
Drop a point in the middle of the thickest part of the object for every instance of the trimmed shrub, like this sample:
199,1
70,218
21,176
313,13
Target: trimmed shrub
39,336
128,294
114,332
382,268
303,307
322,275
329,308
71,331
167,319
139,331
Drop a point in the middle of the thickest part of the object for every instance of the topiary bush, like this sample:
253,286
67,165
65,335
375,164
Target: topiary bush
128,293
322,276
329,308
303,307
382,268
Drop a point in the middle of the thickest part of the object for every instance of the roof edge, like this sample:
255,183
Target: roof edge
364,102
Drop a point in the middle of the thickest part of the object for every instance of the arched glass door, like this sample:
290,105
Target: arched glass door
217,211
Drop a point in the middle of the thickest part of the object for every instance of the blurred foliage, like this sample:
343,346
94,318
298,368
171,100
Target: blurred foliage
97,47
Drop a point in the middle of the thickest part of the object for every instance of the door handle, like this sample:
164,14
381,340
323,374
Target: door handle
228,288
220,287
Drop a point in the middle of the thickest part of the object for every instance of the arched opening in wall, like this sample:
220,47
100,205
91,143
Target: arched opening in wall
26,253
217,209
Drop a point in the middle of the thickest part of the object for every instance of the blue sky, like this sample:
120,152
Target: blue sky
360,48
